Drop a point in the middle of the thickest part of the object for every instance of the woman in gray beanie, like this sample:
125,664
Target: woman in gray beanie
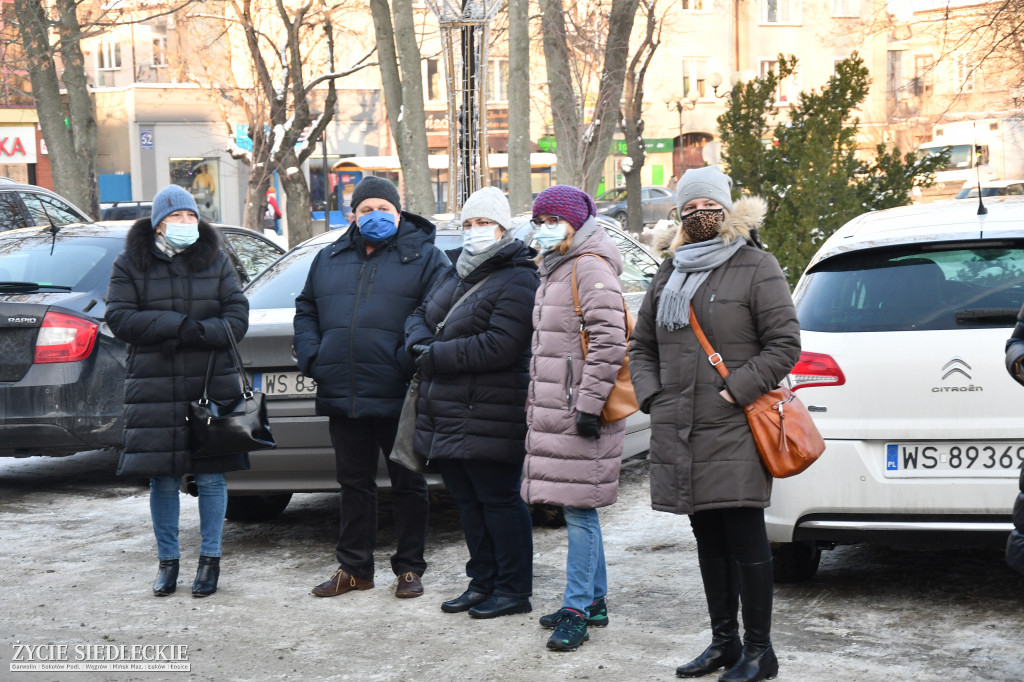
472,416
703,459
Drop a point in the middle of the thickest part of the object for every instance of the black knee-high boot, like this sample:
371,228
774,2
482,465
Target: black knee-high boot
721,587
167,578
206,577
758,660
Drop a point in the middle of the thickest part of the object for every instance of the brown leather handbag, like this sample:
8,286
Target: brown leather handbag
784,433
621,401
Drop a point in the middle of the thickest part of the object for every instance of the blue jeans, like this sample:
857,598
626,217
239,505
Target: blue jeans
586,577
164,506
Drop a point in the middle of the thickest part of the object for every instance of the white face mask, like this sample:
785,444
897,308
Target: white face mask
181,235
477,238
550,236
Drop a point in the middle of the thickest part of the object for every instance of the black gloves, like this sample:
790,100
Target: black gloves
191,332
424,360
588,425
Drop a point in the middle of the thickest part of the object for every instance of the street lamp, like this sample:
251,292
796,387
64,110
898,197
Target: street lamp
681,104
736,79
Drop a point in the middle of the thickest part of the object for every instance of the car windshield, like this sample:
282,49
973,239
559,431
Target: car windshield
940,286
74,262
613,195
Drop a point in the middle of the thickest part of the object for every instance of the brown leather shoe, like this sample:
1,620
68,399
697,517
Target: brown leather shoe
409,586
340,583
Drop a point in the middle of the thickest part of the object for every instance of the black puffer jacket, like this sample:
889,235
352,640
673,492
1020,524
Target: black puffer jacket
149,297
350,318
475,405
1015,543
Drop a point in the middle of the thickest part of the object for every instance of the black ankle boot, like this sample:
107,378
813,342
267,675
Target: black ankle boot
167,578
206,577
721,588
758,660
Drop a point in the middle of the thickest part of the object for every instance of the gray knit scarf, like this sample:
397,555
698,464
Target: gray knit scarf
468,262
693,264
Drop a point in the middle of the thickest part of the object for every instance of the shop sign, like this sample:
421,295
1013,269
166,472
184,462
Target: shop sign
17,144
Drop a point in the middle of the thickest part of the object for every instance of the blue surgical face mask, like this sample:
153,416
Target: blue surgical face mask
550,236
376,226
181,235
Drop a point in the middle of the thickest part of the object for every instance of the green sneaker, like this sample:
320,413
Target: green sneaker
597,615
570,633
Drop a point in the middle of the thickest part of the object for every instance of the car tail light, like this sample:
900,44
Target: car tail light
816,369
64,338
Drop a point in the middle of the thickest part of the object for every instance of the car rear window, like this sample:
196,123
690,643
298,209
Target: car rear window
279,284
938,286
63,261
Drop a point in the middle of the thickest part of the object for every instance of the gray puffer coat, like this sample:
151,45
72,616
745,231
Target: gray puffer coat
562,467
702,452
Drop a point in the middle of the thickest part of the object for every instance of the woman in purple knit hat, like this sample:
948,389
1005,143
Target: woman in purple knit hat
572,458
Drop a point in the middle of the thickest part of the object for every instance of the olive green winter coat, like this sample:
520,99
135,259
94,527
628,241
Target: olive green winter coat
702,452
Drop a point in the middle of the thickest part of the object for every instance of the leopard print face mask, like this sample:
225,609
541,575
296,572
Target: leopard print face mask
703,225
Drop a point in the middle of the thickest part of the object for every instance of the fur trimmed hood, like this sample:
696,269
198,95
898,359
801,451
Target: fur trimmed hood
743,222
140,244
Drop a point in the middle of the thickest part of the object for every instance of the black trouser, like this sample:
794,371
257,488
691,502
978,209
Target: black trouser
736,532
496,522
358,444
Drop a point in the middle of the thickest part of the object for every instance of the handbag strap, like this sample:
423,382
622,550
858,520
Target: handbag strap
440,325
584,335
714,358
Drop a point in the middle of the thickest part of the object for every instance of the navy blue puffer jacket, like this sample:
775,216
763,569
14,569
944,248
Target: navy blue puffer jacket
350,318
1015,543
474,407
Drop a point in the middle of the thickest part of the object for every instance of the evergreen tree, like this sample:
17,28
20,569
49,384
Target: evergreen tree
807,167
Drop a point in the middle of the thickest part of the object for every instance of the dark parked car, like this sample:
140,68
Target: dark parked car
658,203
126,210
304,459
61,370
29,205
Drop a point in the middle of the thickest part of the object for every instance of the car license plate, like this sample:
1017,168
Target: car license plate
996,459
284,384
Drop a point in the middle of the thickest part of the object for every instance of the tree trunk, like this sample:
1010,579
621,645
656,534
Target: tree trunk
297,206
582,150
602,129
632,117
520,189
72,155
401,78
565,109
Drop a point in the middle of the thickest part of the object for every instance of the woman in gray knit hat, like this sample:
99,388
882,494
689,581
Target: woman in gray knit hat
703,459
474,368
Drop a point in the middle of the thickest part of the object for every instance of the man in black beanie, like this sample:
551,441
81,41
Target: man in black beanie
350,338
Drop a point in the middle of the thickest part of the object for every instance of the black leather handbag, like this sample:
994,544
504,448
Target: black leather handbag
239,424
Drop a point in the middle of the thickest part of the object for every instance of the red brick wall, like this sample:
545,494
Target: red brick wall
44,172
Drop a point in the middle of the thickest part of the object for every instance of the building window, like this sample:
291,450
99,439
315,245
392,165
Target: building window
433,76
924,74
789,88
693,5
160,51
965,71
779,11
695,77
497,80
109,55
846,8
